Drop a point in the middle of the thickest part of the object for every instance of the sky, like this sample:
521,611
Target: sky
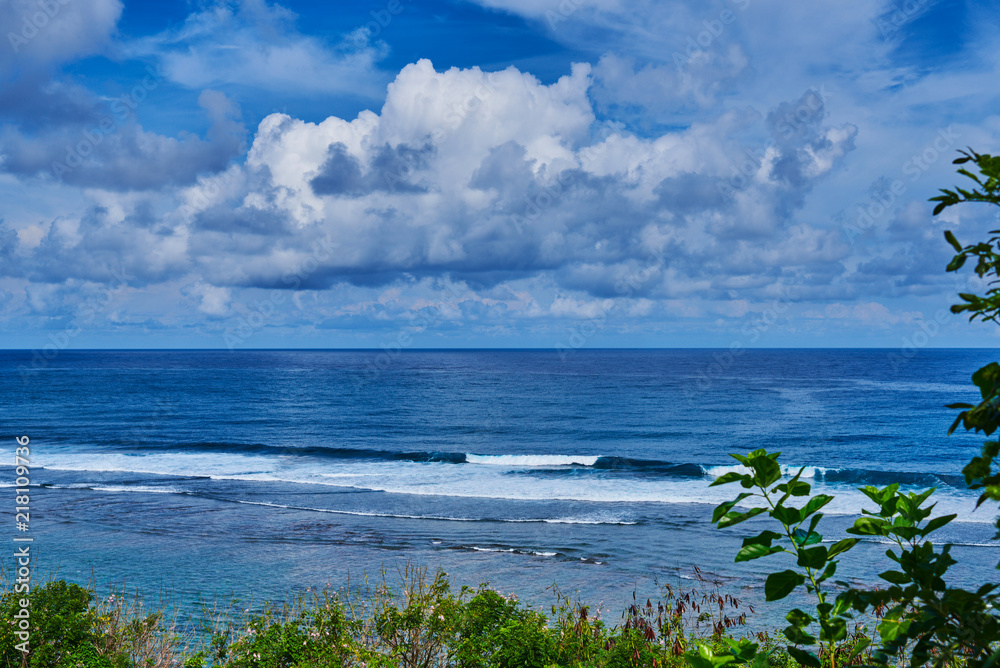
561,174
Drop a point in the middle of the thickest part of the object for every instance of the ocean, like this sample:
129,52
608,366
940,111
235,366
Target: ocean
254,474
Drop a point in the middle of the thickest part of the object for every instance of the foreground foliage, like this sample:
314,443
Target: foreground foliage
418,622
72,629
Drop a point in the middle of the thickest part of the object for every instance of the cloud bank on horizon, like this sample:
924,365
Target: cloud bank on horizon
557,173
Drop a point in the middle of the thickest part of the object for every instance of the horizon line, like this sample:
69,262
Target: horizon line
398,350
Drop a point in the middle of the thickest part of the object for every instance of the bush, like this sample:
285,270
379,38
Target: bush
70,629
61,626
480,624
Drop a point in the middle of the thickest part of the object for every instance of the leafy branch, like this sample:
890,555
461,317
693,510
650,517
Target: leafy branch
816,563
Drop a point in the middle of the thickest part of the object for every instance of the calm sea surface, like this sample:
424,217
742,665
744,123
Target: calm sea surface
257,473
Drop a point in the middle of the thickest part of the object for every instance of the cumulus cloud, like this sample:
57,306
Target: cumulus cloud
487,177
688,171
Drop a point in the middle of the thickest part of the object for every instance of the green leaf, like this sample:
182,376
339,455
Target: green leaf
795,488
726,506
895,577
735,518
868,526
828,572
750,552
803,657
891,628
706,658
957,262
767,471
763,538
815,504
744,649
813,558
781,584
787,515
952,240
799,618
730,477
842,546
803,538
937,523
833,629
859,647
798,635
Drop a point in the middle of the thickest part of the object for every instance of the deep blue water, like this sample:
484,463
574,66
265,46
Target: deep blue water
259,472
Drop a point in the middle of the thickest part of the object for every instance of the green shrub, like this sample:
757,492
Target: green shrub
274,644
86,656
61,623
480,624
524,642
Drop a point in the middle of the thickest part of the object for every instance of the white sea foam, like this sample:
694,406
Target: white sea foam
438,479
143,489
534,461
807,471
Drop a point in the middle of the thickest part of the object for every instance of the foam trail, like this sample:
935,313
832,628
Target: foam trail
424,517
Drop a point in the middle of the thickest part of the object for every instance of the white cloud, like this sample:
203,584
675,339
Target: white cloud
253,43
487,177
50,32
667,190
212,301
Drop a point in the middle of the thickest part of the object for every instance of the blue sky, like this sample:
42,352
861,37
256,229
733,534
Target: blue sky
488,173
